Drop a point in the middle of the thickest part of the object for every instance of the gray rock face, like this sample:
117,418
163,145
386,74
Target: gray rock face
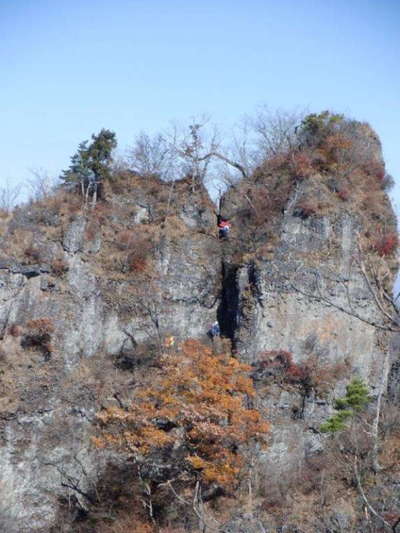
98,326
47,406
73,239
292,302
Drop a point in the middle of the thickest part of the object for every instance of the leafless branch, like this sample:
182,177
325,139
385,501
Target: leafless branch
197,506
9,195
41,185
320,297
365,499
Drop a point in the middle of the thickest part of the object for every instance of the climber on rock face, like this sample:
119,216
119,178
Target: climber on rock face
214,331
224,227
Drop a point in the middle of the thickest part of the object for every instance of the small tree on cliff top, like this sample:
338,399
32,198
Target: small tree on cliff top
90,165
196,404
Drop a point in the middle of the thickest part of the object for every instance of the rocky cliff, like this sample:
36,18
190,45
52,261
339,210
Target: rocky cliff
88,298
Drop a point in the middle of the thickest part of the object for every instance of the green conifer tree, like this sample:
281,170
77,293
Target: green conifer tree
90,165
356,399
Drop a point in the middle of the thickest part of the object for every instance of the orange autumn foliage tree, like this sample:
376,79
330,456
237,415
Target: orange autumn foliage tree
195,403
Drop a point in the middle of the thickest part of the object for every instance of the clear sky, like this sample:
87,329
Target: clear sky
70,67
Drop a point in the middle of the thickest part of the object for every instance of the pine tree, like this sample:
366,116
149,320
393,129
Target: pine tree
90,165
356,400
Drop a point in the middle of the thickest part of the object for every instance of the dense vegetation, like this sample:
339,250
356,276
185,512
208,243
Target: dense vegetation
193,412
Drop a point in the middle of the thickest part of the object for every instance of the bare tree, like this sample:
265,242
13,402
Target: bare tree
207,522
195,150
76,479
276,131
152,156
9,195
243,146
193,146
40,185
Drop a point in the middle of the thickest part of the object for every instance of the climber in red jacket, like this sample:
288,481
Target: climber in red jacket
224,227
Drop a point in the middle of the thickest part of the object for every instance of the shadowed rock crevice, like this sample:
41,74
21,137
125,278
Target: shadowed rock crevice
228,309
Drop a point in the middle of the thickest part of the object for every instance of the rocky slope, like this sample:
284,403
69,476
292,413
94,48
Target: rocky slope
73,335
88,298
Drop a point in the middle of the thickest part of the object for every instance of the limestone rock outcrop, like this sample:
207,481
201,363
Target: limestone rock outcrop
87,299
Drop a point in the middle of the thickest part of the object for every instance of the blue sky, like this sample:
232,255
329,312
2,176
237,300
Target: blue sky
70,67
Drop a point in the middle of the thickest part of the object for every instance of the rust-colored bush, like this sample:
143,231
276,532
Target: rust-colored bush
297,374
374,167
337,149
197,404
392,517
320,375
300,165
343,194
278,366
137,261
386,244
14,330
139,246
91,230
98,216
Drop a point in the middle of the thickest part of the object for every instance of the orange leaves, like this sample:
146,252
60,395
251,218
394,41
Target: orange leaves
337,141
197,462
151,437
222,471
195,404
386,244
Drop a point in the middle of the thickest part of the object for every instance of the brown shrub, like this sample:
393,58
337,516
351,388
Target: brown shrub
33,253
20,239
343,194
139,246
322,376
276,364
305,209
59,266
123,181
14,330
40,326
276,162
38,336
386,244
300,165
99,215
374,167
91,230
137,261
313,373
126,239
